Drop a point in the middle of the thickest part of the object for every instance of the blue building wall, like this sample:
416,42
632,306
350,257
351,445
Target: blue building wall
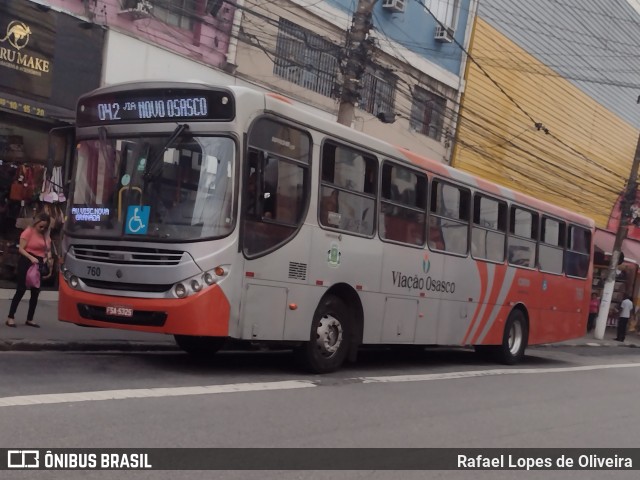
415,29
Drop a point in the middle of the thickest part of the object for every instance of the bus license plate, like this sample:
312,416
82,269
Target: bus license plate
120,311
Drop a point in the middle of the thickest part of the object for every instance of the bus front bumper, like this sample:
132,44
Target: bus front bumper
203,314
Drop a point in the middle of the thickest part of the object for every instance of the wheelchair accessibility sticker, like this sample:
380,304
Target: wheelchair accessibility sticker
137,219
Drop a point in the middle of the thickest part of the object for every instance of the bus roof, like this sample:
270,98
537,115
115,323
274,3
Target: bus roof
316,119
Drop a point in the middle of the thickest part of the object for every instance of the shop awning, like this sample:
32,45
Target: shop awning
604,241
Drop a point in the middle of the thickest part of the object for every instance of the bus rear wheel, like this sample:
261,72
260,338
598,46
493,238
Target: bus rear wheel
514,340
328,345
199,347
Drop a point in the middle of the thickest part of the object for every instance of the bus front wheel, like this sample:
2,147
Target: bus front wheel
514,341
199,347
328,345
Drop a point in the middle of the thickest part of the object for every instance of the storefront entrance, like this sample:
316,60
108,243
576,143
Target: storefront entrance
47,60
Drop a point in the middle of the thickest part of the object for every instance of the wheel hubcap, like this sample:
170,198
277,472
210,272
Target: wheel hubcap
515,338
328,335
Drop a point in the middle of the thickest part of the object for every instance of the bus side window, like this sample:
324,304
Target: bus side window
523,235
403,200
329,214
449,218
489,228
578,249
353,174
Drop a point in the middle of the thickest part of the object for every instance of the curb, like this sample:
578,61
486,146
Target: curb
587,344
54,346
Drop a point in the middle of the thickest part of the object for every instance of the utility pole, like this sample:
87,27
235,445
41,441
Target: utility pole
628,199
357,51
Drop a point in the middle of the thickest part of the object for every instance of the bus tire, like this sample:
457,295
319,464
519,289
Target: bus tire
199,347
328,344
514,339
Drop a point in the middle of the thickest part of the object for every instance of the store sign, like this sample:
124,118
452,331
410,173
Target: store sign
27,47
24,106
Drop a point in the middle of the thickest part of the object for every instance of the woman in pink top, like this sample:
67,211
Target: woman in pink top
35,247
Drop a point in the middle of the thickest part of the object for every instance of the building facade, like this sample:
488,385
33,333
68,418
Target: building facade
412,72
550,106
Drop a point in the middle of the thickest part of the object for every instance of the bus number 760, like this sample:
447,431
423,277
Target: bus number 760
93,271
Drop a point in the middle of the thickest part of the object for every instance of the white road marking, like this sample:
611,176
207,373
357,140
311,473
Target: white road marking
52,398
150,393
487,373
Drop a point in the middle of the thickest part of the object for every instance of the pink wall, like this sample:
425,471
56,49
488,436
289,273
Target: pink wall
206,43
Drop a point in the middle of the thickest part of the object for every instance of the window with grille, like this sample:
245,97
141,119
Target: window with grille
427,113
446,11
305,58
179,13
378,91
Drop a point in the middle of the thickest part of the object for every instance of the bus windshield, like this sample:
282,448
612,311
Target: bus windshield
172,187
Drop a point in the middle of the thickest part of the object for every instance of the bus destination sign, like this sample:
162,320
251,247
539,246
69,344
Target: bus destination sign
155,106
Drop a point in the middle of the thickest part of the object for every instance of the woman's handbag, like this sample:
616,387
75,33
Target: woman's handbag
33,276
44,269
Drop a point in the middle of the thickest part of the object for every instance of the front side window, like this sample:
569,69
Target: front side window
523,235
348,189
150,187
403,205
449,218
275,184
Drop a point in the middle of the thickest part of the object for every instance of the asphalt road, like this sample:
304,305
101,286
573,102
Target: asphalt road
559,397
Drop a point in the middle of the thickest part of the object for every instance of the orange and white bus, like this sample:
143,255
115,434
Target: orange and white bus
216,212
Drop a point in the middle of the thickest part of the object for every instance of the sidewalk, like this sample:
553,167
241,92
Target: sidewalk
56,335
632,340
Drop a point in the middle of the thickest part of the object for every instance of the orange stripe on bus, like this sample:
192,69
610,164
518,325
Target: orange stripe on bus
424,162
282,98
496,286
482,270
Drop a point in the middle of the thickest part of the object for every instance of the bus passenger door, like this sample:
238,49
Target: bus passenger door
276,249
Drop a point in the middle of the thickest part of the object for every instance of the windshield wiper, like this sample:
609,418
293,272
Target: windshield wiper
154,169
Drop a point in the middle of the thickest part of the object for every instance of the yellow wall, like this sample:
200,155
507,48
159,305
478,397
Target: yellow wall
497,141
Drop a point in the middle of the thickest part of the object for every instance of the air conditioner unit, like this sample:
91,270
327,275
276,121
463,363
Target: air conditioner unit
135,9
444,35
394,5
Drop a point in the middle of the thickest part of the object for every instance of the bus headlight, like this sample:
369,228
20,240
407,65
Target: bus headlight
209,279
180,290
196,286
73,281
